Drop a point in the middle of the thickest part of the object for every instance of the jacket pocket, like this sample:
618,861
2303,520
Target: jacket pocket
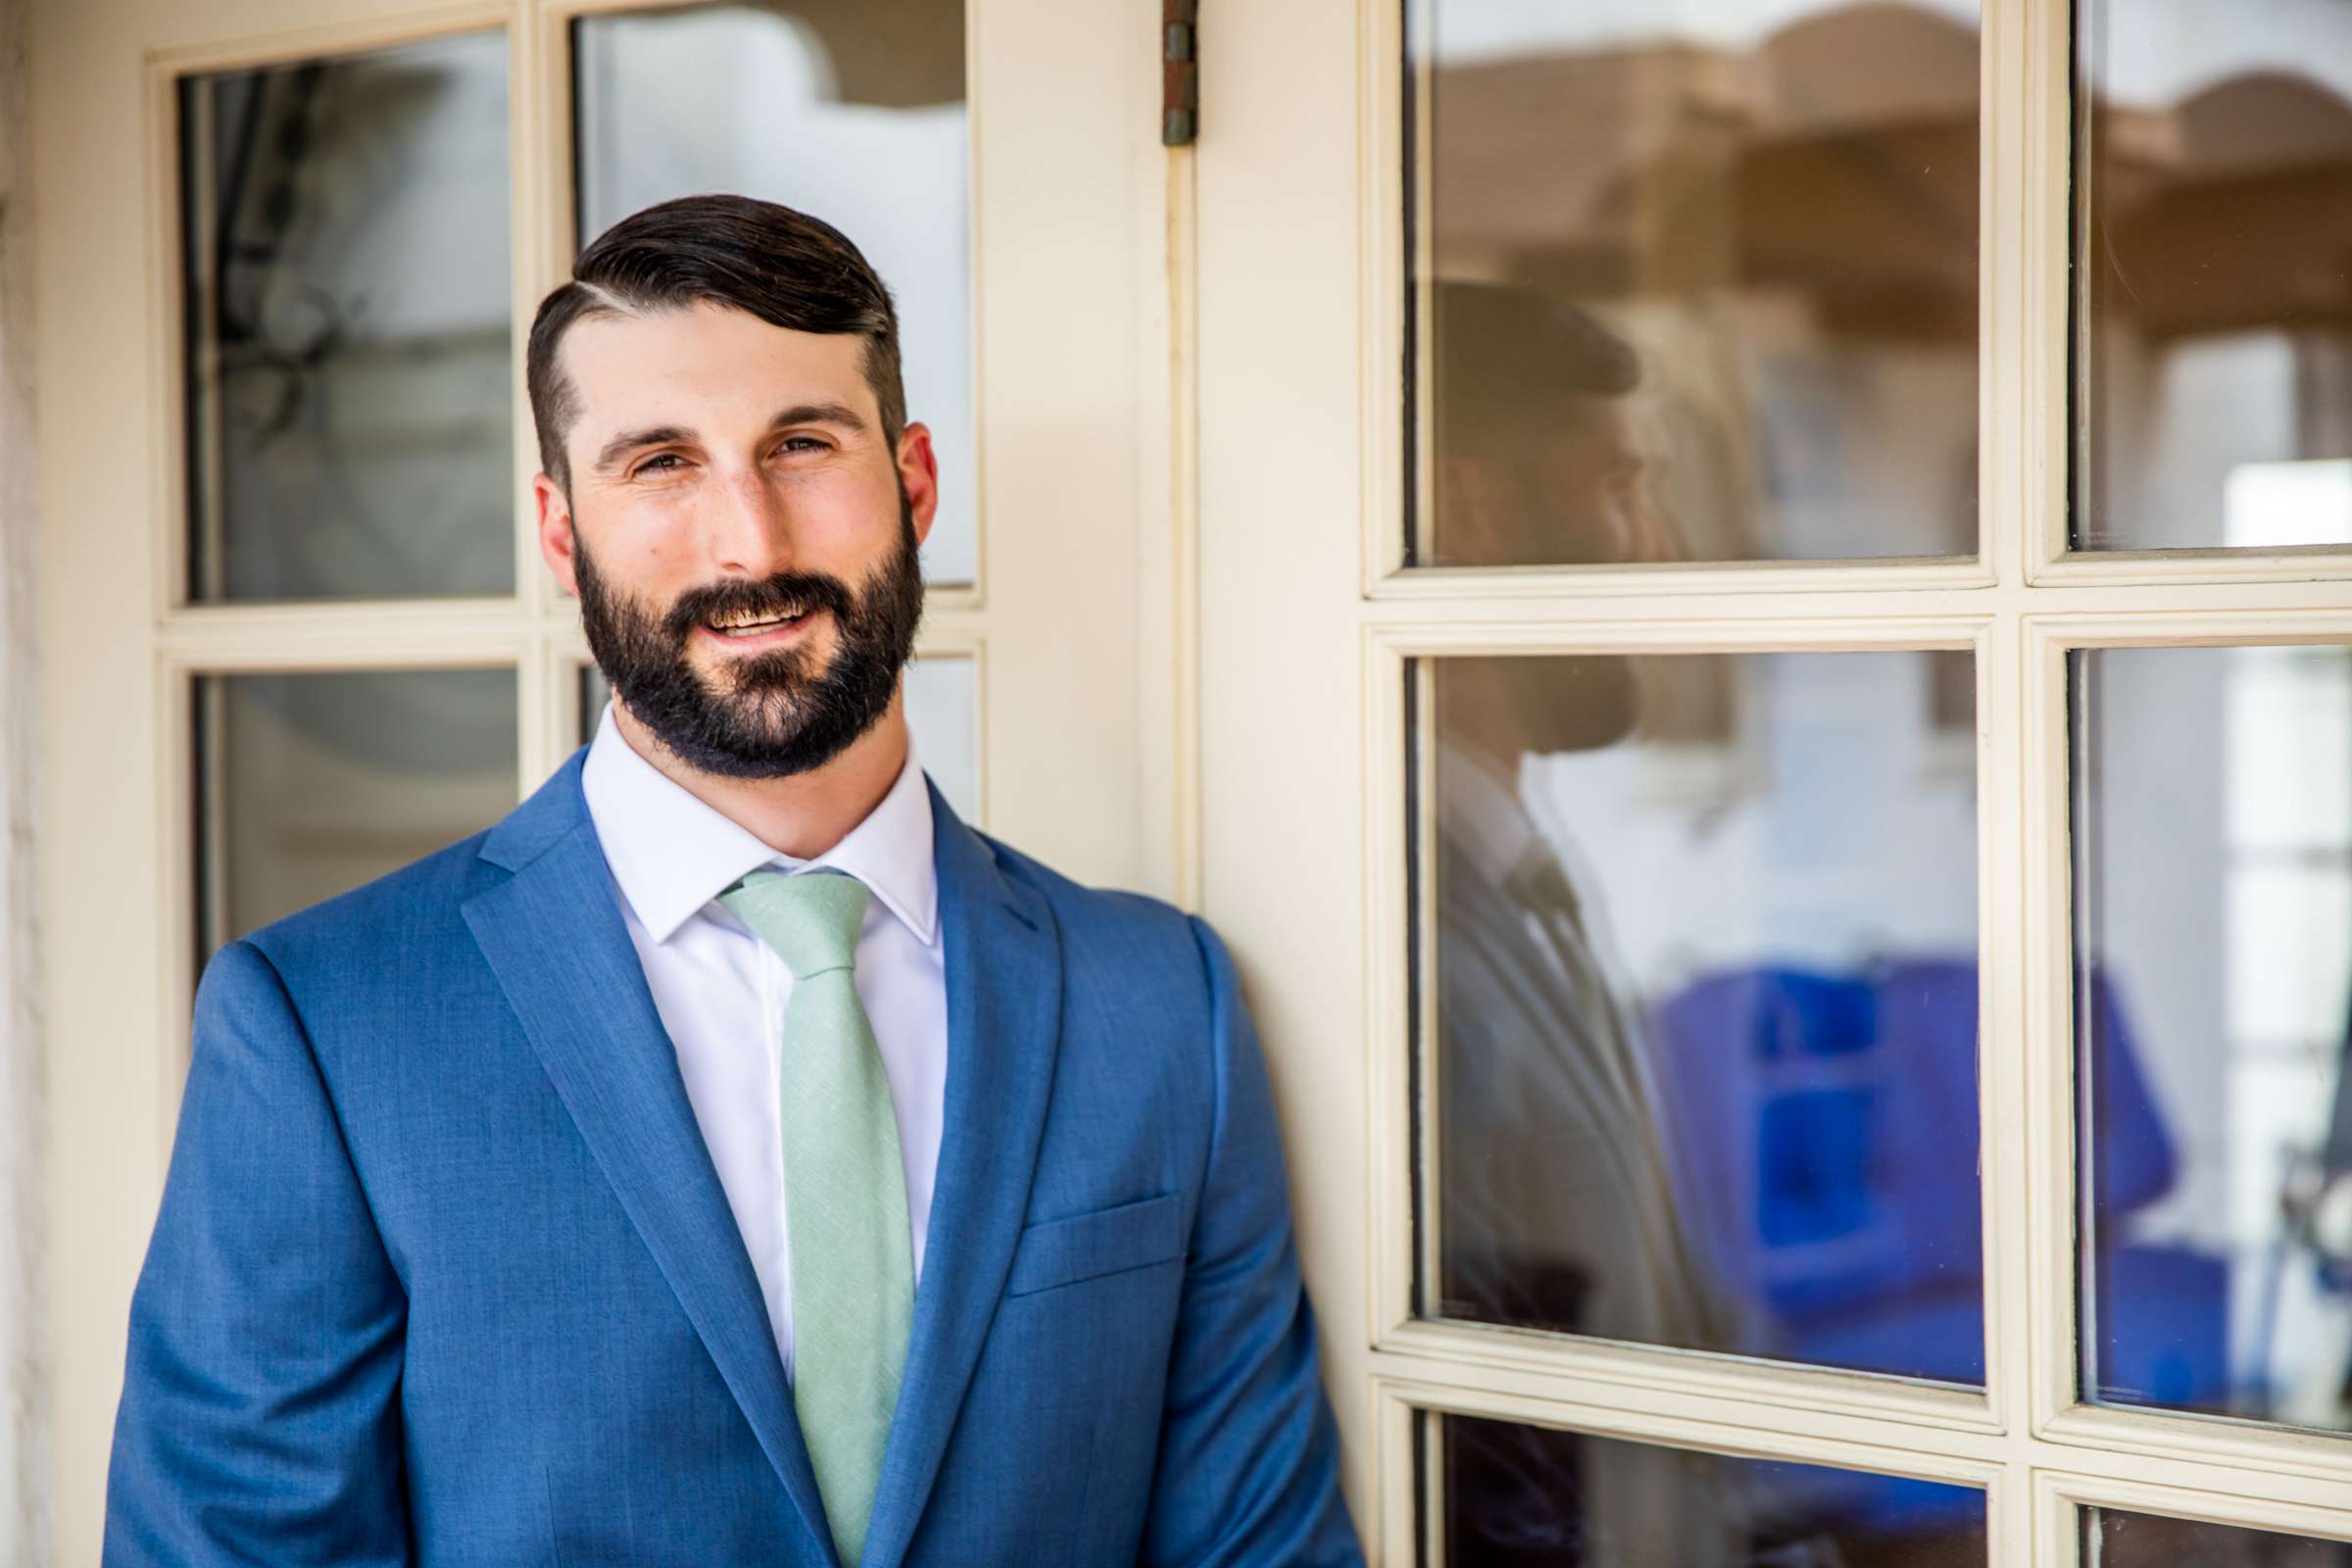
1107,1241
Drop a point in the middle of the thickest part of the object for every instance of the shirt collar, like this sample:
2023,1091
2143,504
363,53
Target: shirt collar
674,855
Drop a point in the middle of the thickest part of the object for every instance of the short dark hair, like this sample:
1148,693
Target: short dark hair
1505,355
784,267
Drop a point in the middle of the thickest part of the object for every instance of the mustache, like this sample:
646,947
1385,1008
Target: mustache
788,593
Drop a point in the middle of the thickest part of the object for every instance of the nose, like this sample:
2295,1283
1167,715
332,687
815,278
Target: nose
748,527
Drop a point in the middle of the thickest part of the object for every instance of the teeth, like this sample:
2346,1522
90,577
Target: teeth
741,624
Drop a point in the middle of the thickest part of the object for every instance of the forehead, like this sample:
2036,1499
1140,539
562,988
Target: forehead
702,363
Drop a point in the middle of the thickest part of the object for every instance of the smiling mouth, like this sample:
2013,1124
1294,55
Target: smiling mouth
742,626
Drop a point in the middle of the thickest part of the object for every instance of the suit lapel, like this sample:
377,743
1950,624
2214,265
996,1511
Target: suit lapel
1004,969
553,935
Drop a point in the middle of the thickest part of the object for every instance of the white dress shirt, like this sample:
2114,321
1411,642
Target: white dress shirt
721,991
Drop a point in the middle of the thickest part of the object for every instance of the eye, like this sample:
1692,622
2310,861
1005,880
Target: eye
800,443
660,462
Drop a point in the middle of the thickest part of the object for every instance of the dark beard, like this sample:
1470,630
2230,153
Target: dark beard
1574,702
776,718
1539,705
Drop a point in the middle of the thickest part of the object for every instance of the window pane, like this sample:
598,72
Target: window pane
854,112
1695,282
2214,317
1706,1004
943,704
1522,1496
2113,1538
309,784
350,422
943,699
2212,832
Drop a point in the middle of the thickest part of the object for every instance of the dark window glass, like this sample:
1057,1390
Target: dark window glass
1522,1496
349,316
309,784
2115,1537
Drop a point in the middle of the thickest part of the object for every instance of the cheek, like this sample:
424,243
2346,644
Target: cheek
839,521
648,550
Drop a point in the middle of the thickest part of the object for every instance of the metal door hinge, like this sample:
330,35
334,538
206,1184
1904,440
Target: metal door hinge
1179,72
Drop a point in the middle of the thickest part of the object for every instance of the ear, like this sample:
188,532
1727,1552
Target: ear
918,471
556,541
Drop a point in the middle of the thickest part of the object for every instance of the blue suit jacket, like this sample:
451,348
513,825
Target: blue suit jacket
444,1273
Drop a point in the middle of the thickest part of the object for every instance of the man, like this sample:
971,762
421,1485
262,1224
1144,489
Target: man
1557,1201
1558,1195
730,1156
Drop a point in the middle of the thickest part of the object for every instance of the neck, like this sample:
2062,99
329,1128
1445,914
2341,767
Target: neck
802,816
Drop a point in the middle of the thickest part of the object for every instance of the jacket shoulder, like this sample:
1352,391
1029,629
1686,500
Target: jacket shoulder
1108,932
1135,915
417,901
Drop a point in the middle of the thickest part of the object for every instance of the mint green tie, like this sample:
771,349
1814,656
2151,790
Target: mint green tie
844,1192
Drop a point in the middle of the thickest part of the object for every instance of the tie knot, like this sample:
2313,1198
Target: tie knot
1541,883
811,920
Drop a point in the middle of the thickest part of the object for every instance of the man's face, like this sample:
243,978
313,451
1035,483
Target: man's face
1570,487
741,534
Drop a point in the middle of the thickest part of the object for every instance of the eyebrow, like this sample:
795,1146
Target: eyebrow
839,413
628,441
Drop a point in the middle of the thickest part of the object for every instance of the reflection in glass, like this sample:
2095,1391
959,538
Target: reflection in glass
348,317
942,709
1706,1004
852,109
1694,282
308,785
2213,312
2213,913
2115,1537
1523,1497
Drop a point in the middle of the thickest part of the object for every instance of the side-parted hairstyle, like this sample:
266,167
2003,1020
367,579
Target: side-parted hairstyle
786,267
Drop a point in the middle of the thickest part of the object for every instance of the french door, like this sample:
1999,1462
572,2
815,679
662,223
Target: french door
1776,664
297,625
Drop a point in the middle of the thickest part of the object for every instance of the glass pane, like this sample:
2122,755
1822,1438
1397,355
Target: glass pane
942,698
2213,913
349,313
1706,1004
2113,1538
1691,282
309,784
2213,316
852,113
1522,1496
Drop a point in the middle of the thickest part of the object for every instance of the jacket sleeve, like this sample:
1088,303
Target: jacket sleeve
259,1420
1249,1455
